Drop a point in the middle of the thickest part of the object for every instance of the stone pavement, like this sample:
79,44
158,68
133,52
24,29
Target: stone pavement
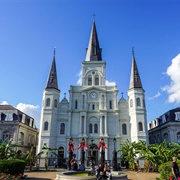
51,175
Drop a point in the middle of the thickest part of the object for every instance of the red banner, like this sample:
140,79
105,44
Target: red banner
83,144
71,146
102,144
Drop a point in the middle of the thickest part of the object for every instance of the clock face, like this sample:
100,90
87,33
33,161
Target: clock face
93,95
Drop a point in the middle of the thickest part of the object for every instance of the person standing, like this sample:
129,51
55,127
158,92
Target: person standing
175,169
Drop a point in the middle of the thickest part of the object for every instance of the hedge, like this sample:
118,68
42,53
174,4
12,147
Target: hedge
13,166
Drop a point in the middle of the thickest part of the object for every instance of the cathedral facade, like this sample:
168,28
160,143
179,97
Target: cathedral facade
93,109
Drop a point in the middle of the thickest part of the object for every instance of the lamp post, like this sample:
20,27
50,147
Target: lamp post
102,152
82,152
70,153
114,163
91,157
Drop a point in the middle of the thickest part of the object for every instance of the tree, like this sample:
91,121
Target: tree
129,153
6,151
47,150
31,158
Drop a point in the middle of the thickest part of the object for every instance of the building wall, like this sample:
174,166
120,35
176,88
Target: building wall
19,127
165,127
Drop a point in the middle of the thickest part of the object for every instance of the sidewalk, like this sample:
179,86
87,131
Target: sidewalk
132,175
51,175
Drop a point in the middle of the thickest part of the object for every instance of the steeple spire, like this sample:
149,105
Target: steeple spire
52,79
93,52
135,80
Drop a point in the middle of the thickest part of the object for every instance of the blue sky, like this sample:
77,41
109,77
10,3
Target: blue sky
30,29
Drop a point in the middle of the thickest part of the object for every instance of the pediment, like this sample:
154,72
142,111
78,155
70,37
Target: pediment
93,88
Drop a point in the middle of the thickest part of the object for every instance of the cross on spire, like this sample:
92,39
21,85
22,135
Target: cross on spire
54,51
93,15
122,94
133,50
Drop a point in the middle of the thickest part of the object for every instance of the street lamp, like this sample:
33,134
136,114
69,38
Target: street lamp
114,163
91,157
70,153
102,152
82,151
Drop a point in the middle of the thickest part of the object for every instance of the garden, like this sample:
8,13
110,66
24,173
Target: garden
157,157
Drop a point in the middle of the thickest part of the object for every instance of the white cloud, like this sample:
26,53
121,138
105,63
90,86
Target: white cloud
110,83
32,111
155,96
4,103
173,89
79,82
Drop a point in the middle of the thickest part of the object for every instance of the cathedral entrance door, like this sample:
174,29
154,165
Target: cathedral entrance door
61,157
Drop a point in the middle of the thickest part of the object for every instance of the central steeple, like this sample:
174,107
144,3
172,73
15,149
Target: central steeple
93,52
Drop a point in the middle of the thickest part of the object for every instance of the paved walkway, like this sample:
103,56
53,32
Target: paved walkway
51,175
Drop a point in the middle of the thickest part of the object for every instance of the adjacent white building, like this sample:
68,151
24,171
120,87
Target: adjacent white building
19,127
93,109
165,127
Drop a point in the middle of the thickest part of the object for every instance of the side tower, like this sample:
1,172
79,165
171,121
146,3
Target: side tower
49,112
137,108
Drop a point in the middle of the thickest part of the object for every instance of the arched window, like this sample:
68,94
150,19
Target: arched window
110,104
95,128
124,129
140,126
48,101
90,128
138,102
178,137
89,80
76,104
93,107
15,117
6,135
62,128
3,116
131,103
46,126
165,135
61,155
55,103
22,138
96,80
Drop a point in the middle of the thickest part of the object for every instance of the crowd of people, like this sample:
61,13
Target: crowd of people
103,171
75,166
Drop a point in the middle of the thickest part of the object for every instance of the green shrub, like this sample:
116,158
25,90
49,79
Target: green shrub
165,170
13,166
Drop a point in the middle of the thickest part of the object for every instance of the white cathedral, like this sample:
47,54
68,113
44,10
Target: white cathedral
93,109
